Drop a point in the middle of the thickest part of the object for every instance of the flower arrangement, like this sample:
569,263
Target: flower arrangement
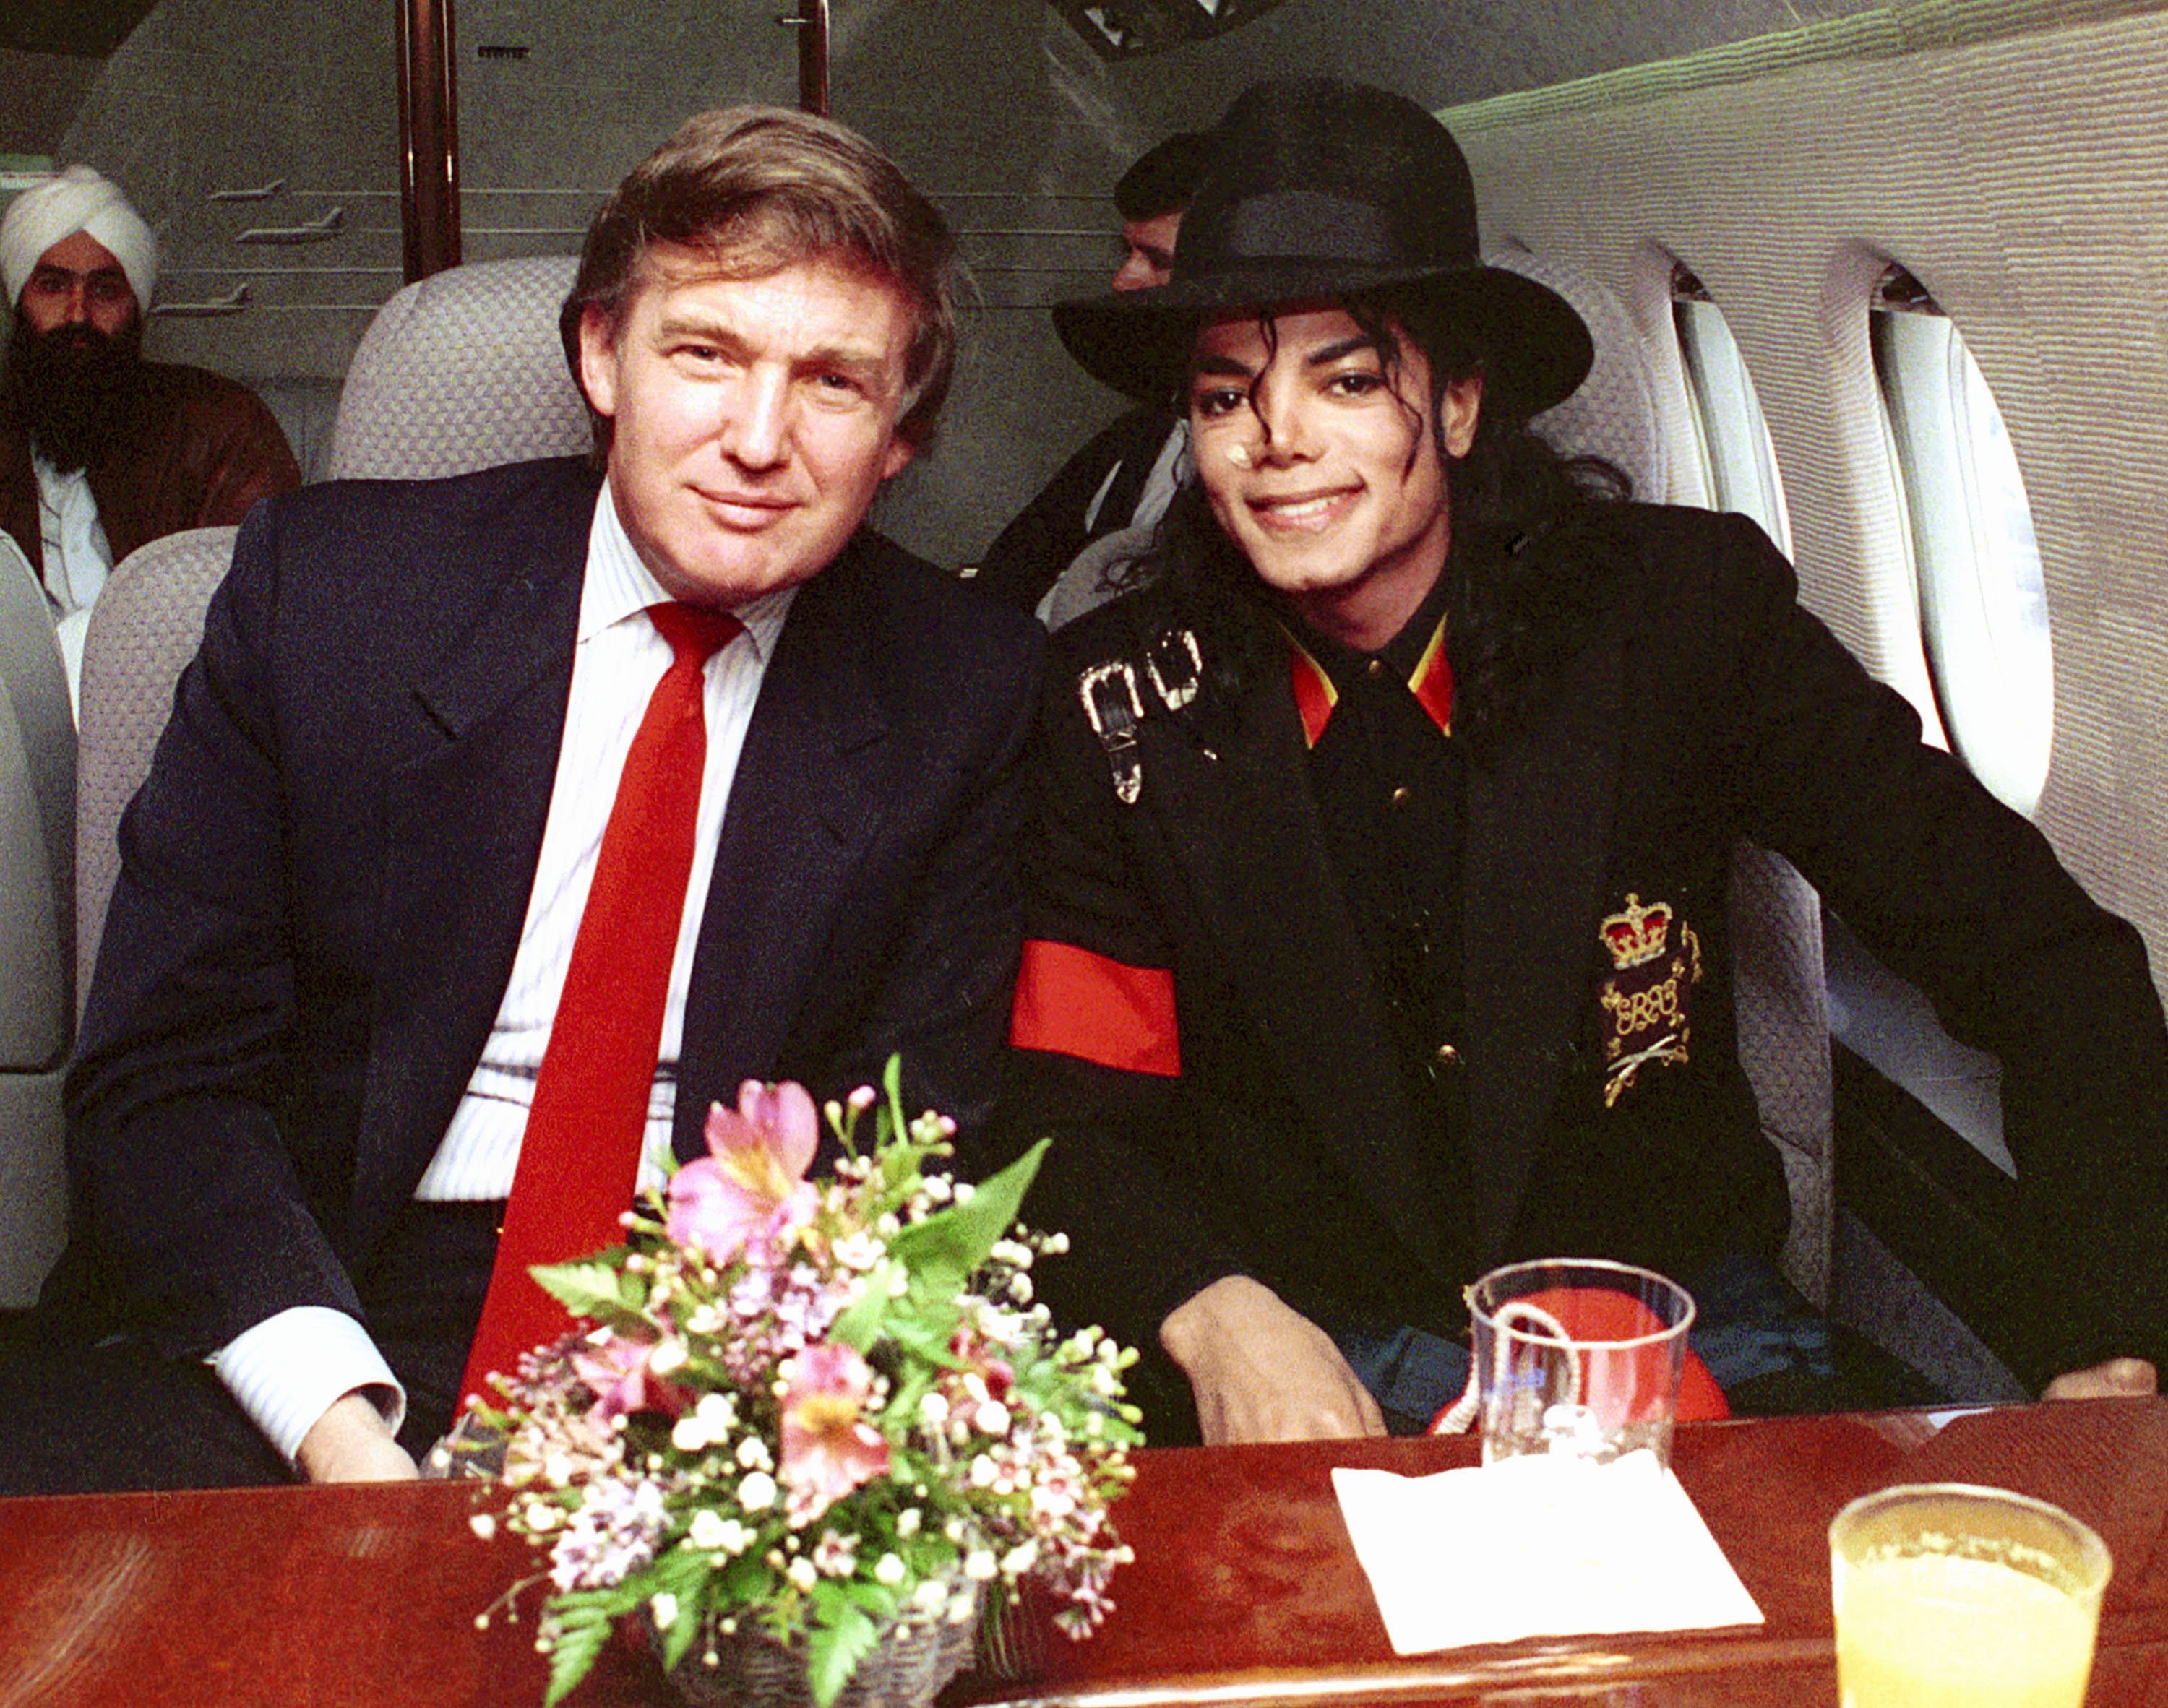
823,1411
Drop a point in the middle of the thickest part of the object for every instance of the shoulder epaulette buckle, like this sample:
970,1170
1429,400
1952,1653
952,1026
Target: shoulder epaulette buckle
1176,666
1112,703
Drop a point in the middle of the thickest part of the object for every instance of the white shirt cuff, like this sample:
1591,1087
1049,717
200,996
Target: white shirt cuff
288,1370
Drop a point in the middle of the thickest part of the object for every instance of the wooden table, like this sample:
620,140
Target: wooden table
1245,1588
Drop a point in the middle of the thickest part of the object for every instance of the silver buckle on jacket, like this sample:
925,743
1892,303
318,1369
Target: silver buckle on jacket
1176,667
1109,693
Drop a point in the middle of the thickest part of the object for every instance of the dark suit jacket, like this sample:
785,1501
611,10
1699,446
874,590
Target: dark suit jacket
1710,708
1027,557
207,449
324,879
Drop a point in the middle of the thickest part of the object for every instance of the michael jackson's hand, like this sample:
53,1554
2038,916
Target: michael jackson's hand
1261,1371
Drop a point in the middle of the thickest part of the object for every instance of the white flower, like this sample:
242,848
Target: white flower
1052,1502
1012,1252
860,1250
670,1353
934,1409
1020,1558
664,1605
756,1494
979,1565
484,1525
689,1434
937,1188
889,1570
992,1418
1103,1381
1020,1288
708,1532
930,1594
801,1572
557,1469
735,1537
964,1191
898,1281
886,1225
984,1470
1054,1245
716,1412
543,1515
753,1455
908,1522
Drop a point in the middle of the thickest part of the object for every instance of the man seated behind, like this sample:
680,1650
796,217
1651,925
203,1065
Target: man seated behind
505,823
1376,927
1123,479
101,451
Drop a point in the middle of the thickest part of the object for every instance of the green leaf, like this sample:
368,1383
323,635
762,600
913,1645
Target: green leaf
834,1649
944,1249
860,1325
678,1641
592,1287
573,1651
892,1083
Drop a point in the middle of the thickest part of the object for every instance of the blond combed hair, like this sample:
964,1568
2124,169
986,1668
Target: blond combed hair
758,189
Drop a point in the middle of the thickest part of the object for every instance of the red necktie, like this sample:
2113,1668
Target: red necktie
579,1161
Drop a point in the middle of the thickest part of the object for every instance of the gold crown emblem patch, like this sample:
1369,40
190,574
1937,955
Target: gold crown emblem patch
1637,935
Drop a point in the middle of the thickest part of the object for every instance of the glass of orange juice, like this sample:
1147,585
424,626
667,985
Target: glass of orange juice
1953,1596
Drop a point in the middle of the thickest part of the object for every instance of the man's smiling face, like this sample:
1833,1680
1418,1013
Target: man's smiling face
1321,465
752,420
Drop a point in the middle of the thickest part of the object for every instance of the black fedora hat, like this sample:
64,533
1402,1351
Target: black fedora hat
1322,189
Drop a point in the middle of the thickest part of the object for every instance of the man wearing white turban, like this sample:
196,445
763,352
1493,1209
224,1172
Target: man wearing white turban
100,450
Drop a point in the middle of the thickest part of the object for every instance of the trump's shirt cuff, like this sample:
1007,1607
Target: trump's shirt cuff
288,1370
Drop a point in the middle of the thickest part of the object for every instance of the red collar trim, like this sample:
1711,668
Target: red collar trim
1314,696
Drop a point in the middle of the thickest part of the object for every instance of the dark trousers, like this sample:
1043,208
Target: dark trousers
78,1419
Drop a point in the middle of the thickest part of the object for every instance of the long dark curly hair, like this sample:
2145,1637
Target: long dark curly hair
1538,552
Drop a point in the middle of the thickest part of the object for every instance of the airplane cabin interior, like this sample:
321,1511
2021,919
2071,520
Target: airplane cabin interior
1885,275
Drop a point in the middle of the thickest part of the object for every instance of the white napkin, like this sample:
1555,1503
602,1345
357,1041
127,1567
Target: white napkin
1538,1546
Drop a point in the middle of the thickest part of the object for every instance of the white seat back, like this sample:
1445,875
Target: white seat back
460,371
37,925
1613,414
144,629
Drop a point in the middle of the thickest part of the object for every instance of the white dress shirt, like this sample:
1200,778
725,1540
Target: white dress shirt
286,1370
77,558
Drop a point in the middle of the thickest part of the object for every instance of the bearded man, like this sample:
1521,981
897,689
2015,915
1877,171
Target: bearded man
101,451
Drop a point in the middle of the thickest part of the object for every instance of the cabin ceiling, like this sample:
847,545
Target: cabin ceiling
1462,48
1444,52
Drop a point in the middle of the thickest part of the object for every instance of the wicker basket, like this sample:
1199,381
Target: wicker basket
906,1670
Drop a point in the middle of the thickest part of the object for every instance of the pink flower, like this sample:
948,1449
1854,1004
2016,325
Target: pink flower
753,1188
616,1372
828,1447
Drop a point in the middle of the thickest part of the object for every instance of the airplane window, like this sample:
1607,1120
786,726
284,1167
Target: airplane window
1739,462
1976,560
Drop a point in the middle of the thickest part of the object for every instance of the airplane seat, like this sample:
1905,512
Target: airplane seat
1613,415
37,928
144,629
460,371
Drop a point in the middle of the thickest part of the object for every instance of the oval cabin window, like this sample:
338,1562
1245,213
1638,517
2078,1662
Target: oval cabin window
1975,559
1738,460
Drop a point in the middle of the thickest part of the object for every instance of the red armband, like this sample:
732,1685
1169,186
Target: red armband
1075,1003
